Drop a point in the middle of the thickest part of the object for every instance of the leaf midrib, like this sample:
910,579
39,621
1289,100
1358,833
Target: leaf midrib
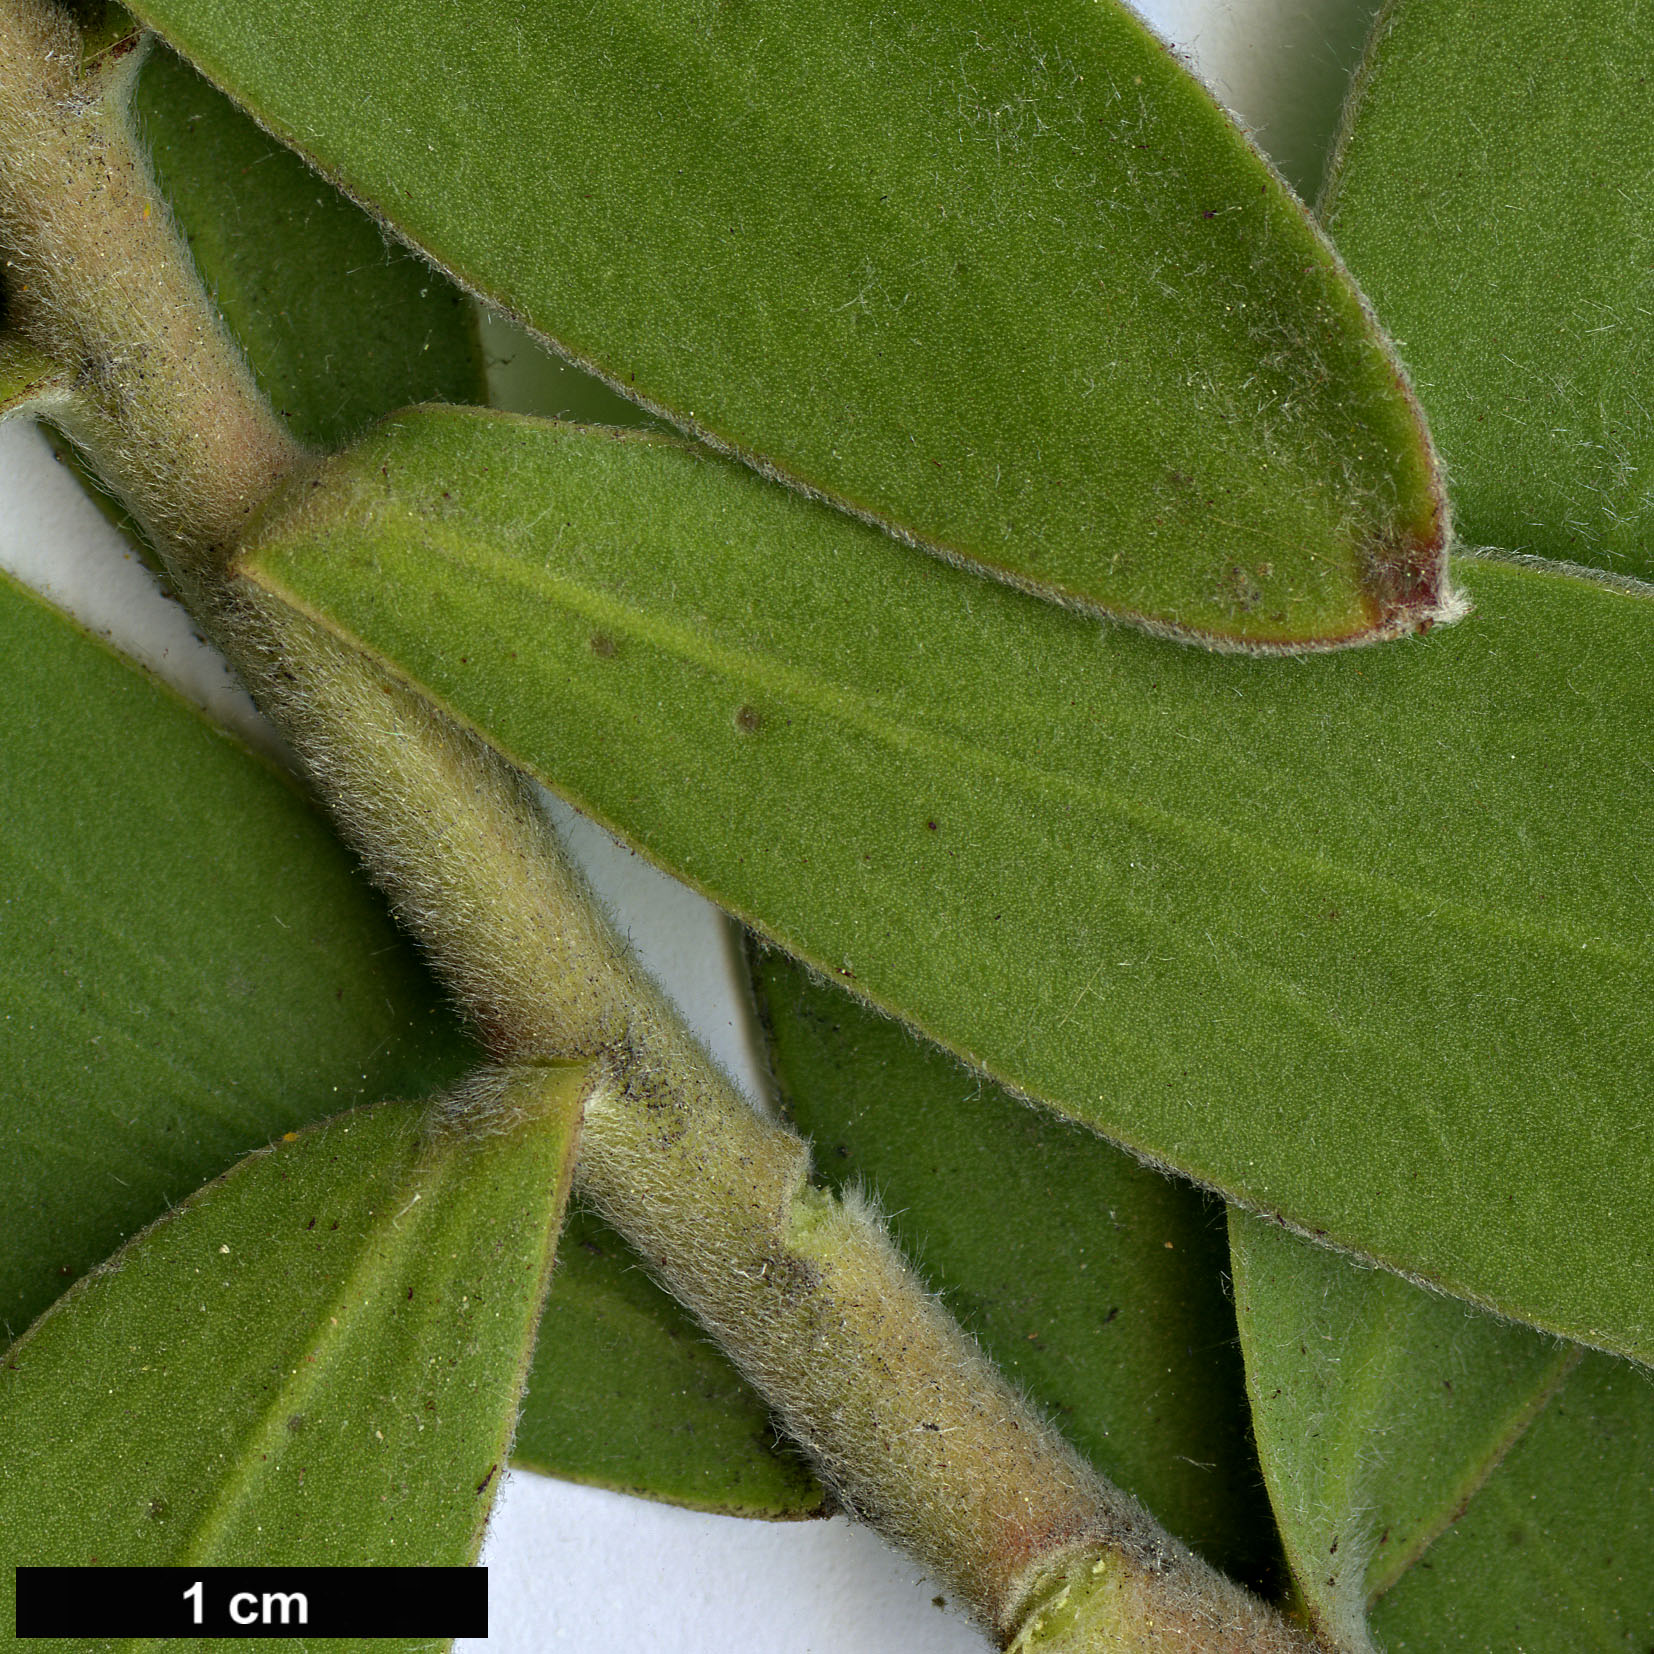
384,1245
1476,1476
864,713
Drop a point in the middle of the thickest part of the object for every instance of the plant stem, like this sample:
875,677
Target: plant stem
916,1430
97,278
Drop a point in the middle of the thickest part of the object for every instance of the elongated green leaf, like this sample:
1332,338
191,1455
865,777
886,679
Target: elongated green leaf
1093,1282
1004,280
338,327
1362,939
1556,1553
190,963
627,1393
317,1360
1380,1411
1493,197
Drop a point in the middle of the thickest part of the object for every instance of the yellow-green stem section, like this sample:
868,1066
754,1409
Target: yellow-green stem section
97,279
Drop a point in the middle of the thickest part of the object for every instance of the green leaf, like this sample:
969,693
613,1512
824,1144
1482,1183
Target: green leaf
316,1360
106,29
628,1393
1093,1283
1492,196
1009,284
190,963
337,326
1556,1553
525,377
1360,938
1380,1410
27,378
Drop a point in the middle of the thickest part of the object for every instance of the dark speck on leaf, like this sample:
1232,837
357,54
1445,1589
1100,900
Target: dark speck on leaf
603,646
748,719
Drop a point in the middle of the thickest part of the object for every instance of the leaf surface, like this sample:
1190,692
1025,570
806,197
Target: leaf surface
26,376
1556,1553
627,1392
1004,281
316,1361
1093,1283
190,963
1361,938
338,326
1493,195
1380,1410
107,31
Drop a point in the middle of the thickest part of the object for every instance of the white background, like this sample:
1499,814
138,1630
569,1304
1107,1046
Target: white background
573,1566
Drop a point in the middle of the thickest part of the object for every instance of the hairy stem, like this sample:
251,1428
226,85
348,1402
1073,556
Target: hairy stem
97,278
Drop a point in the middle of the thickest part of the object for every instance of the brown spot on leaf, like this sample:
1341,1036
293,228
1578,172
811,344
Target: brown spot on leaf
1237,590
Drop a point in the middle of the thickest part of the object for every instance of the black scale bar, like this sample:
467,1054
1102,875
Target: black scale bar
252,1602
